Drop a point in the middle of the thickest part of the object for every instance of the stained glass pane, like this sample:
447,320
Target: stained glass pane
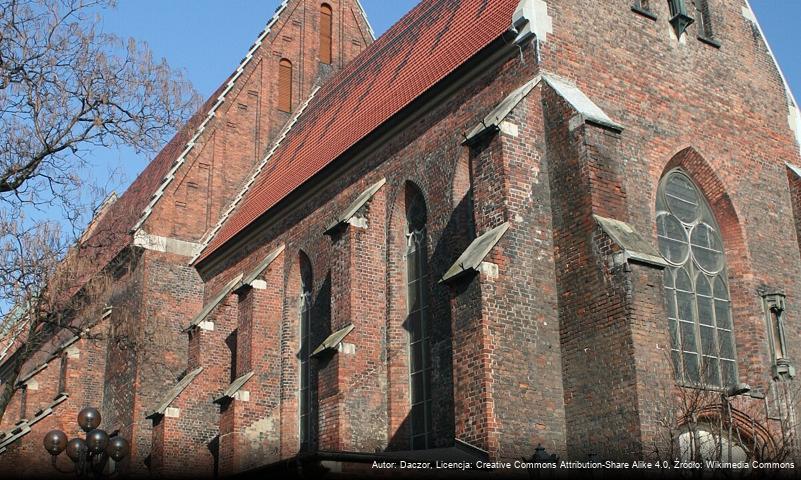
414,324
674,333
685,304
691,368
702,285
417,388
723,314
708,346
721,291
726,340
683,282
418,418
688,337
672,238
682,198
669,272
707,248
416,357
728,372
704,301
670,303
413,268
711,371
676,358
414,296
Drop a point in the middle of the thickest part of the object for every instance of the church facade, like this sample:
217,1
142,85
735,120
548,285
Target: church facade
501,226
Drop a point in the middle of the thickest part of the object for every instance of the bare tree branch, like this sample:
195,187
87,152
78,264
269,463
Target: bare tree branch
66,89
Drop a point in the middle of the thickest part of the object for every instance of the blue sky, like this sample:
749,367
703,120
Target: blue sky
208,38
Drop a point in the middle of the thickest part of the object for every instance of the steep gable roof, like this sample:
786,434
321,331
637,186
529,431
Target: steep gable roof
112,232
426,45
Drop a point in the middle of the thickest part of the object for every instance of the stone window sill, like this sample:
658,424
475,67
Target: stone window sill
643,12
709,41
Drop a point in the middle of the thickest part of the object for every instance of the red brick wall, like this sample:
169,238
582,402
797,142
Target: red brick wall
429,154
558,316
562,348
250,429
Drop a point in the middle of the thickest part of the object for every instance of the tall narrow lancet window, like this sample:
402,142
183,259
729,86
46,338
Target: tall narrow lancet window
285,85
326,31
704,17
305,311
62,374
696,285
418,320
23,402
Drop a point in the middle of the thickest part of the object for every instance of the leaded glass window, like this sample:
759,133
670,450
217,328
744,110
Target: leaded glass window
418,327
305,401
697,298
705,17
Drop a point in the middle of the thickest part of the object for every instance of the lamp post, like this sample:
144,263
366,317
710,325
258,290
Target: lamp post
90,455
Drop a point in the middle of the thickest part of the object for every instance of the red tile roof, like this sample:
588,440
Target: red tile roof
426,45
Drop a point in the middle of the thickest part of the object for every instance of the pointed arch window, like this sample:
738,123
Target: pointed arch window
305,394
62,373
706,32
696,285
23,402
418,324
285,85
326,33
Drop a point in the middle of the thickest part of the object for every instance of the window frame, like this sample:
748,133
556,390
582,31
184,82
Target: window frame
305,425
706,30
643,8
285,80
326,56
722,328
23,402
417,286
62,373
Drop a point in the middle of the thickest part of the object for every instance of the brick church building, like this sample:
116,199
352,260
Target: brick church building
500,226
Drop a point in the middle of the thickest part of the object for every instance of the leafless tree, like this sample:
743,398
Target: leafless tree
703,424
67,89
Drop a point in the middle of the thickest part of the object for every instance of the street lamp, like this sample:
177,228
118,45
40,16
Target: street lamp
89,455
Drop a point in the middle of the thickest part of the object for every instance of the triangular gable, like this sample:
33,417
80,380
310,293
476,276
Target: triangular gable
211,112
253,176
419,51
